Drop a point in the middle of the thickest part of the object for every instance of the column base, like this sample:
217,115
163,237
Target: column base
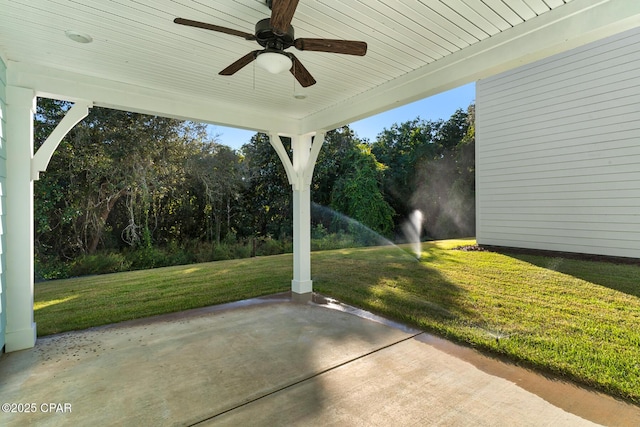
301,298
301,286
20,340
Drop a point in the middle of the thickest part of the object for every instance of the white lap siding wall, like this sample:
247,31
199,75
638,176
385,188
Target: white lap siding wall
3,175
558,152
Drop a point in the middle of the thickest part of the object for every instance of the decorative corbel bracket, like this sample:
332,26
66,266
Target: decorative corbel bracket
301,175
41,158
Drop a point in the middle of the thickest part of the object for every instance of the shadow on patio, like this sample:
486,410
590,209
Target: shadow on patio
186,367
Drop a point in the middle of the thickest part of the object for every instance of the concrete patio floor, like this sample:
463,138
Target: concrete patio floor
272,361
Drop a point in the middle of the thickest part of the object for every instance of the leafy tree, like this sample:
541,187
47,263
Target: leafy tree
266,196
217,169
356,193
428,168
123,180
450,133
448,183
332,163
110,159
53,214
463,190
343,159
400,149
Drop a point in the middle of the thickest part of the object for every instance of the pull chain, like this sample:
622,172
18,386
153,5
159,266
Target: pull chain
294,79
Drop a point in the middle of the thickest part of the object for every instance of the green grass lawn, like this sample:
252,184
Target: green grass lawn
577,319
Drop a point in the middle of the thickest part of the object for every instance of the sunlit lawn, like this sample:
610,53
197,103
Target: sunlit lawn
578,319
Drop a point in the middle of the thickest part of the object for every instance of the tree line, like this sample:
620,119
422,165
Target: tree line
125,190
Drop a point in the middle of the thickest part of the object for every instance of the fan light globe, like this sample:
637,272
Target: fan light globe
274,62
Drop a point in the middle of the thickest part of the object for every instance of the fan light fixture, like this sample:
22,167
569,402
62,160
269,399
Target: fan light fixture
275,34
274,62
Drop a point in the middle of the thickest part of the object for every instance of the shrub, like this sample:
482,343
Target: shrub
220,252
338,240
241,250
177,255
112,262
200,251
319,231
50,268
268,246
146,257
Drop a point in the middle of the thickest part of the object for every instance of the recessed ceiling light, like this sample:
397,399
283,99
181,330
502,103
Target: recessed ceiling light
78,37
299,96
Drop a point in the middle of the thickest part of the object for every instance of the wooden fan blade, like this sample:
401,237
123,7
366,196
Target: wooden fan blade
239,64
346,47
300,73
197,24
281,15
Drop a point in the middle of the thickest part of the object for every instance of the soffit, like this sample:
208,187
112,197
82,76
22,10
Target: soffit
415,49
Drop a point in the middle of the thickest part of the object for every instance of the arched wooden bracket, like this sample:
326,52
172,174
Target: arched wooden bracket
41,158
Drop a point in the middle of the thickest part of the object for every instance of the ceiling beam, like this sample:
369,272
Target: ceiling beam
60,84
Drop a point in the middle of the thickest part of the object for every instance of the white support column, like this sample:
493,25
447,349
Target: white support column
21,328
301,283
300,172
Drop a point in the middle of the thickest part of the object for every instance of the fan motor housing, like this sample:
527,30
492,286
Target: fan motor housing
267,38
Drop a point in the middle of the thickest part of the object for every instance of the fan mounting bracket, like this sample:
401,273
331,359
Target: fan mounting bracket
268,39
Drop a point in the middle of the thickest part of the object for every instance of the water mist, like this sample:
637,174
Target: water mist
412,230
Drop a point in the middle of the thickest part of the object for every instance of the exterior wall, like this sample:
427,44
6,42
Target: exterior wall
558,152
3,175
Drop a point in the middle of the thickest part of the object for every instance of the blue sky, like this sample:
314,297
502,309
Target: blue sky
440,106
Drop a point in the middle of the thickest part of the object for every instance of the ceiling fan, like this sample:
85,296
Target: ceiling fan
275,35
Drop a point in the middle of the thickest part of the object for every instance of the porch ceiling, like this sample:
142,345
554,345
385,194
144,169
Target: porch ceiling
140,60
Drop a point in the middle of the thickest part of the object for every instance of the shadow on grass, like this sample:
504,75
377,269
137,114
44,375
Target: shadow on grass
622,277
391,282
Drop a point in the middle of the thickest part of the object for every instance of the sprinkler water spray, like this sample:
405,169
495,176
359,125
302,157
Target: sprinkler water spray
412,230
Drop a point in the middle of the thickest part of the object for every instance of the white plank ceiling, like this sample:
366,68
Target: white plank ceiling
416,48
